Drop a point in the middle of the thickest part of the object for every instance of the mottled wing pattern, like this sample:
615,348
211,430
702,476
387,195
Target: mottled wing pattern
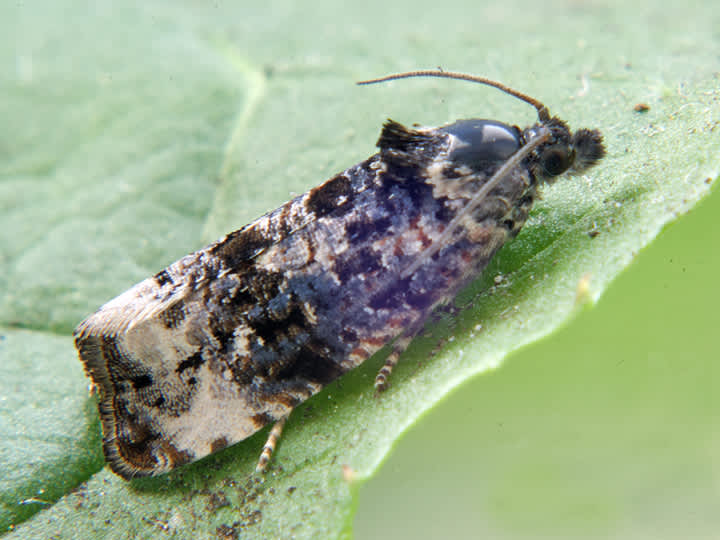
232,337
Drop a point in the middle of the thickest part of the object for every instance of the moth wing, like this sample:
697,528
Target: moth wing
161,403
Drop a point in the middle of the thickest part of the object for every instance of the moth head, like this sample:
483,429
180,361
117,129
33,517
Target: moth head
566,152
479,143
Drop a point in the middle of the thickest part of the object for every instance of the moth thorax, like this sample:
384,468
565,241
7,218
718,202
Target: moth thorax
480,144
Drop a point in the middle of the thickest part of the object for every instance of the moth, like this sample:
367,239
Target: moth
232,337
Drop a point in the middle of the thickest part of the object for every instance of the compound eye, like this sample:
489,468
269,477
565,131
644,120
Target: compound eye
480,142
556,159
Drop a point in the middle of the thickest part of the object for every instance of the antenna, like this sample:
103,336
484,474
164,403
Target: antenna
542,110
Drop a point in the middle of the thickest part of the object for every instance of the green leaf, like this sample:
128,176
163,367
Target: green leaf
133,134
48,428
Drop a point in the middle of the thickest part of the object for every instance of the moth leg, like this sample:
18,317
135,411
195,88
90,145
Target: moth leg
270,445
391,361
